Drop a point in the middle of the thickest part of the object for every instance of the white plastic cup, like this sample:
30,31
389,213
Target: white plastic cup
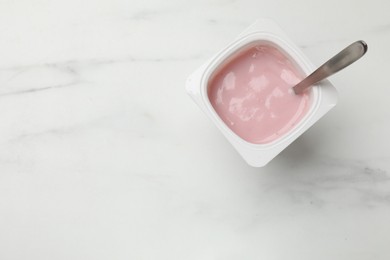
323,96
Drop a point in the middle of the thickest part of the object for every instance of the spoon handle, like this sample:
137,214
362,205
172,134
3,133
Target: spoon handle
341,60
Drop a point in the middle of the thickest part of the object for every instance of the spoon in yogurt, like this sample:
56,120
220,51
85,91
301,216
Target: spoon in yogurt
338,62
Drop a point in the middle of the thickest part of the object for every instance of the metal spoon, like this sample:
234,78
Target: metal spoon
341,60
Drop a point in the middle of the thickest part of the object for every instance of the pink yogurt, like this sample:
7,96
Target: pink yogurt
252,94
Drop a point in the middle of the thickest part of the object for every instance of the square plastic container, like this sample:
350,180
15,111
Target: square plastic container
323,96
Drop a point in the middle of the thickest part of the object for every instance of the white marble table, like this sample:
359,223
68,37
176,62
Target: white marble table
104,156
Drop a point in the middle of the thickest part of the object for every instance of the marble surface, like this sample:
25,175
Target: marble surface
104,156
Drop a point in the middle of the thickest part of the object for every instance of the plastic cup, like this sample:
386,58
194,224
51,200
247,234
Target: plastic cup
323,96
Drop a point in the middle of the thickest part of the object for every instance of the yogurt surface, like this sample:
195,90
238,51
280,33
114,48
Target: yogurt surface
253,94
